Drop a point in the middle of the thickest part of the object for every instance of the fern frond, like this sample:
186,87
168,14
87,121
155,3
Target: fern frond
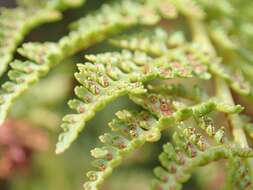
229,28
45,54
156,69
155,43
109,19
196,94
235,79
239,176
94,28
117,74
190,151
171,111
134,129
162,108
23,74
15,24
160,44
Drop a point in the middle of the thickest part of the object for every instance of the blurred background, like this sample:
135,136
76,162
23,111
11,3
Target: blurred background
28,138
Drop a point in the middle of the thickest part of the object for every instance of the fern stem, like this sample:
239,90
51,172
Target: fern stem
237,130
200,35
222,89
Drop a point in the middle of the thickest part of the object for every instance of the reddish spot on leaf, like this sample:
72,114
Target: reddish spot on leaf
165,108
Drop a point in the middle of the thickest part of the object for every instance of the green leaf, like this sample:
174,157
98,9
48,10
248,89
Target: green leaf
113,75
94,28
189,151
132,130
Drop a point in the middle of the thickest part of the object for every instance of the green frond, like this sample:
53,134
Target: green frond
94,28
21,77
109,19
239,176
156,69
168,111
194,93
189,151
158,43
171,111
230,28
15,24
132,130
234,78
117,74
44,54
23,74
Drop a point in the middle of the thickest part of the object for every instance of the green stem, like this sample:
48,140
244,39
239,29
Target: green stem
200,35
224,93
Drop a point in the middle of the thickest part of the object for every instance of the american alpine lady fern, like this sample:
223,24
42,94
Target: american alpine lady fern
172,44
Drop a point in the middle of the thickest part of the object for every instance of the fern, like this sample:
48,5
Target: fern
117,74
15,23
91,29
178,61
170,111
191,150
160,45
22,75
239,174
132,130
155,43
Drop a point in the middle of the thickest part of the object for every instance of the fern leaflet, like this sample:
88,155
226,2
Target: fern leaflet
94,28
116,74
192,150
